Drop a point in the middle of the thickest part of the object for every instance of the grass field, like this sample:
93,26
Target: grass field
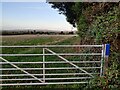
37,39
40,40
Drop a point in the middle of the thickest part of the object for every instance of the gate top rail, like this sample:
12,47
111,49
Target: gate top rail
44,46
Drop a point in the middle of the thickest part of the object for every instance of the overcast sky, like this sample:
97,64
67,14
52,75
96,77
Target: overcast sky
32,15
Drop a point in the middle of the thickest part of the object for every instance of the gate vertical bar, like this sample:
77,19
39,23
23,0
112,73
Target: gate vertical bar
102,60
43,65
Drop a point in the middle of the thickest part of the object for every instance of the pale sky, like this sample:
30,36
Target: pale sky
32,15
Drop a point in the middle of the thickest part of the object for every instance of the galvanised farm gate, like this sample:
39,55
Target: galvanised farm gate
51,64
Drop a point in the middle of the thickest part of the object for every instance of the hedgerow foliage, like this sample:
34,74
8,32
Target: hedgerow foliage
104,28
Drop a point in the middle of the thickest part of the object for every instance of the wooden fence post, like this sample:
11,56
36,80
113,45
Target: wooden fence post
106,55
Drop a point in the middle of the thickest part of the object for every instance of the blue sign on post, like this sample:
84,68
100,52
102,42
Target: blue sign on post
107,52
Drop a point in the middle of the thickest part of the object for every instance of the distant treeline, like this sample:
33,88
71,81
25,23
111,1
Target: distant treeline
36,32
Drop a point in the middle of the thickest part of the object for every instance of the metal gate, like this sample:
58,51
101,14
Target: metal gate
50,64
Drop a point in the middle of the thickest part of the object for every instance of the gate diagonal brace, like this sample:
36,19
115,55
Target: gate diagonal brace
77,67
21,69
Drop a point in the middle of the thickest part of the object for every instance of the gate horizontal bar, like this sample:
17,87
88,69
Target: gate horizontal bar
20,69
71,78
76,54
47,74
50,62
49,68
48,46
13,84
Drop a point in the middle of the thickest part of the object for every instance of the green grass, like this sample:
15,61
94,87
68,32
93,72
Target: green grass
32,39
41,40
